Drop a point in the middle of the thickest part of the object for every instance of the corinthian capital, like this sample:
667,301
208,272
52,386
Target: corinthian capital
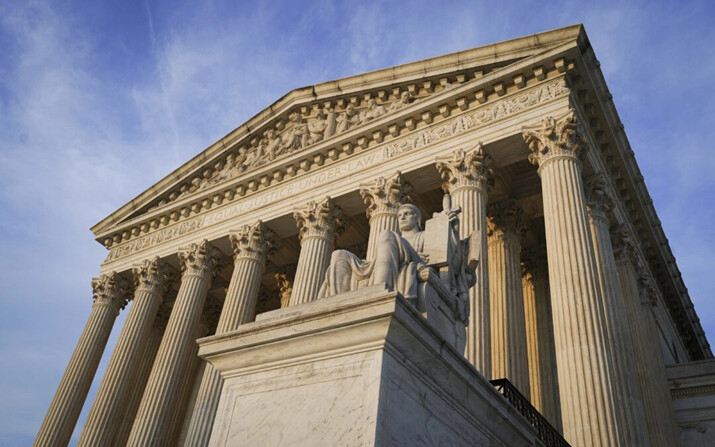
553,138
154,275
202,259
385,195
111,290
597,198
319,219
253,242
623,245
466,169
505,220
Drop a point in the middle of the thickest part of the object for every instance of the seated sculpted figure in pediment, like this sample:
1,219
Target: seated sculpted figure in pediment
402,261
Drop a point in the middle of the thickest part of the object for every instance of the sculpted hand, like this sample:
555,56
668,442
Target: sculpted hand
424,257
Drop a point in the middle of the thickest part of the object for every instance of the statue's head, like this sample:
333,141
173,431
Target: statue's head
409,217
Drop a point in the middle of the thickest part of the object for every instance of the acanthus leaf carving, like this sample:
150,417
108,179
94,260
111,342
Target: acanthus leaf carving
154,275
553,138
466,169
112,290
319,219
505,220
385,195
202,259
255,242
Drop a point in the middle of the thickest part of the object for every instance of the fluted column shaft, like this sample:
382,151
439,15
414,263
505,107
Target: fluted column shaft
540,340
141,376
110,293
647,361
251,246
587,392
467,179
155,412
189,377
509,354
318,224
630,403
100,428
383,198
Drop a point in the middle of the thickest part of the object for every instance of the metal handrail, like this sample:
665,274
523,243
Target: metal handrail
546,432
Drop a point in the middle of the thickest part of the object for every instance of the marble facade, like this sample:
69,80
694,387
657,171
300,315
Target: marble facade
577,299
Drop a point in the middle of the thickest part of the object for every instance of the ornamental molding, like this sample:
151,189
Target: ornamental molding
319,219
248,194
553,139
466,169
255,242
385,195
202,260
111,290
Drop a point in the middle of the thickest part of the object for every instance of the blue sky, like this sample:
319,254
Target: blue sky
99,100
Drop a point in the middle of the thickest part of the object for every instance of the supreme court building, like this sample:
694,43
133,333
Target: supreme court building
576,299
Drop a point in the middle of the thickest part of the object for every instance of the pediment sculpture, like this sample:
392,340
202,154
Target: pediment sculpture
432,268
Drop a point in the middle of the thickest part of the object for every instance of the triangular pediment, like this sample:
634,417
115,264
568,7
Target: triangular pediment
305,126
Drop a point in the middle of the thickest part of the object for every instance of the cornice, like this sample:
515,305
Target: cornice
612,155
411,134
487,64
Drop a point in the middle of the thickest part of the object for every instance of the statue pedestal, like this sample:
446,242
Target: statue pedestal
359,369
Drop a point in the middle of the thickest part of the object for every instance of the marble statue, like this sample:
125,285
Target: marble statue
348,119
373,111
402,260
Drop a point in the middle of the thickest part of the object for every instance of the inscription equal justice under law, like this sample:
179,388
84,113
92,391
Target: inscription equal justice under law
481,117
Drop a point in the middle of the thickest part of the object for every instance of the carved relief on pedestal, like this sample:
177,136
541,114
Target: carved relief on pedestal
111,290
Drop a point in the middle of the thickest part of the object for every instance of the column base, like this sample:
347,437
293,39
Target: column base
362,369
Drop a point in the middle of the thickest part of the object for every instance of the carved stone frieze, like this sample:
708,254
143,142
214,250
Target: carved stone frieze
500,109
255,242
482,116
112,290
319,219
553,138
385,195
202,259
466,169
154,275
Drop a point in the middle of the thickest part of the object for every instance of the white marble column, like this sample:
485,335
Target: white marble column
509,349
251,247
584,360
151,281
183,409
647,360
111,292
199,263
383,197
319,224
630,403
141,376
540,336
468,176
